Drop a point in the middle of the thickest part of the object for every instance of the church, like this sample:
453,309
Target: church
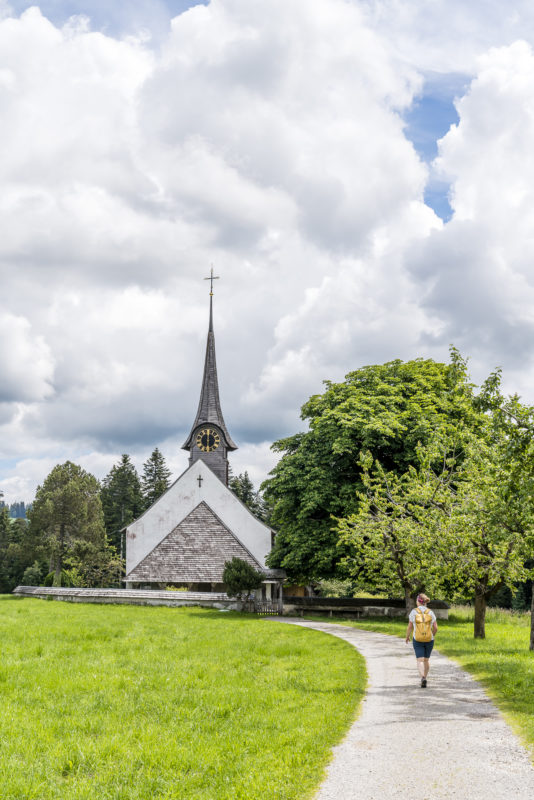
187,535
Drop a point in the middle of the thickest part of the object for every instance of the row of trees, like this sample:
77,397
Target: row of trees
15,556
125,494
409,478
73,533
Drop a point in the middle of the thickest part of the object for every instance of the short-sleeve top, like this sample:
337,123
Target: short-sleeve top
412,617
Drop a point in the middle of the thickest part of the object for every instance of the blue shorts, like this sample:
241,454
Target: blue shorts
423,649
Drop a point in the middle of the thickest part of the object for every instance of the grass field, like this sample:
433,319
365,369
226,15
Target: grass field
130,703
502,661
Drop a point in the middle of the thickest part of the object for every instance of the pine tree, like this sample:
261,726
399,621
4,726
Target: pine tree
67,517
242,486
155,479
122,499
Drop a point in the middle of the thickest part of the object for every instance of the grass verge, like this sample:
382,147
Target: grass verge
129,703
502,661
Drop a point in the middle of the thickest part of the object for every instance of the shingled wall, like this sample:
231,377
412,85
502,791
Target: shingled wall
194,552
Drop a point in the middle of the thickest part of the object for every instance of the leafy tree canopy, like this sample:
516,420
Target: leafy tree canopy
398,539
386,409
462,521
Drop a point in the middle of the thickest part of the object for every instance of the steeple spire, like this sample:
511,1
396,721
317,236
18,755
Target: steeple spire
211,278
209,407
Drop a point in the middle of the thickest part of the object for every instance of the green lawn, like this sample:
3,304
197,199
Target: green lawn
130,703
502,661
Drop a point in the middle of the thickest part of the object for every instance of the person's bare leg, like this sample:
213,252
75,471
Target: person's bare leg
426,667
421,667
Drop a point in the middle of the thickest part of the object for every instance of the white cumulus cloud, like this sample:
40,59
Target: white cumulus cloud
26,362
267,139
478,270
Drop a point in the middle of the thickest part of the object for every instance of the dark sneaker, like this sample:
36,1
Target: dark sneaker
423,683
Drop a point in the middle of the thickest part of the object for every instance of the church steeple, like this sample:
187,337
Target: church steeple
209,438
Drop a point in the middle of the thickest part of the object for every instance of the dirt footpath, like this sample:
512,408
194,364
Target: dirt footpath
450,735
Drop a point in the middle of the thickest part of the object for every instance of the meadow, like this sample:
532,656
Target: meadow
144,703
502,661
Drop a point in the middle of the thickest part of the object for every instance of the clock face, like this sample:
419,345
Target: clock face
207,440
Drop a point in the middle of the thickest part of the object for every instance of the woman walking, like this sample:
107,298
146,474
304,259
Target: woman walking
422,621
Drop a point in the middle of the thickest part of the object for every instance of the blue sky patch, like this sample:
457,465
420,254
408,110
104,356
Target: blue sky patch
428,120
112,18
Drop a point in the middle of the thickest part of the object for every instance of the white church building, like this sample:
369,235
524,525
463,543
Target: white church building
188,534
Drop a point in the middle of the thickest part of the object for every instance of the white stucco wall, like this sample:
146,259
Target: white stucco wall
143,535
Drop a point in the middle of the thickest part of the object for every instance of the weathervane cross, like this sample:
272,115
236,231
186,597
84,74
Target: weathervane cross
212,278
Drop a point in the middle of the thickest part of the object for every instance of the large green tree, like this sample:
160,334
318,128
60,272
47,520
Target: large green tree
400,536
509,501
156,477
462,521
460,528
67,518
491,522
386,409
122,499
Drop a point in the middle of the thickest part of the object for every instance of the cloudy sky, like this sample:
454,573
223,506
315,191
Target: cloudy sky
359,172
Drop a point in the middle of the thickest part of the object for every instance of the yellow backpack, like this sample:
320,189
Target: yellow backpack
423,625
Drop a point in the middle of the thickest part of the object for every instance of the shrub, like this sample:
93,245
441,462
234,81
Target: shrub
65,579
32,575
241,579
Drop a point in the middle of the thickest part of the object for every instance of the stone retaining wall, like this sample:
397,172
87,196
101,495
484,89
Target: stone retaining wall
142,597
293,606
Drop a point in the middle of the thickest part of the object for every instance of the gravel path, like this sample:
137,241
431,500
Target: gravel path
451,733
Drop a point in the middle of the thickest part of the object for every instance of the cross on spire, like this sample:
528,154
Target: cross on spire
212,278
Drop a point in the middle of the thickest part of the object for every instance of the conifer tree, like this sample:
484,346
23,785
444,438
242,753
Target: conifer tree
242,486
17,550
156,478
122,499
67,516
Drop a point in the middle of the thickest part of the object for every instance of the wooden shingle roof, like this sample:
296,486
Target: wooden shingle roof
195,551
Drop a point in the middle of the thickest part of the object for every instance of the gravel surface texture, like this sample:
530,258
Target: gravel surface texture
445,741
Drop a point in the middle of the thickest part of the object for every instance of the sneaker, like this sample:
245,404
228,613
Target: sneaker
423,683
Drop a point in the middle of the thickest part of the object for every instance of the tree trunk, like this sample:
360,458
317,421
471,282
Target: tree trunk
59,557
57,573
480,616
408,599
532,619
